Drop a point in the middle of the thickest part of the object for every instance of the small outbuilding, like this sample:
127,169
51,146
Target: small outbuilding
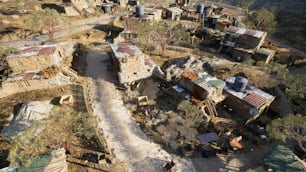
174,13
203,86
246,100
241,43
41,57
264,54
130,63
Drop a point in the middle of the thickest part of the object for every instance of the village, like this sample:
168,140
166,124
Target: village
127,85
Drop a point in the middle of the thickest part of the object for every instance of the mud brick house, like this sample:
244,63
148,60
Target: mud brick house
41,57
130,63
241,43
203,86
246,100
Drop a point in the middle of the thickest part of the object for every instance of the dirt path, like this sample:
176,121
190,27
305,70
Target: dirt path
77,26
122,133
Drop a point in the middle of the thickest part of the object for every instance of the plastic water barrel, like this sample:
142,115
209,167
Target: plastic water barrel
240,84
200,8
139,11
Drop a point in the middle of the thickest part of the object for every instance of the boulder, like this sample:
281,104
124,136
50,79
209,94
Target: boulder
15,17
5,22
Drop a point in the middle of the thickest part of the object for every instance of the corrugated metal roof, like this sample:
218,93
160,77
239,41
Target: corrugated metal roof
204,81
122,50
34,51
252,95
255,100
241,31
47,50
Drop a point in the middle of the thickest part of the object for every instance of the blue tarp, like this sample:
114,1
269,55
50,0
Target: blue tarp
208,137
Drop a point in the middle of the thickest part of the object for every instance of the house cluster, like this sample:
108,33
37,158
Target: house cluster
42,66
236,93
246,100
242,44
79,7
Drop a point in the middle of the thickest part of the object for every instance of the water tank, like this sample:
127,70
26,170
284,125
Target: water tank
206,10
139,11
240,84
200,9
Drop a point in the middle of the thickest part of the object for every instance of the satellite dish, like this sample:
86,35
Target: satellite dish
254,111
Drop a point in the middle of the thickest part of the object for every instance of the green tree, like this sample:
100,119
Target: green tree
263,19
61,130
192,113
163,33
289,127
46,19
296,92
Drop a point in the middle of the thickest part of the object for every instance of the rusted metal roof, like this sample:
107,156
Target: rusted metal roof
252,95
122,50
255,100
47,50
34,51
190,75
28,50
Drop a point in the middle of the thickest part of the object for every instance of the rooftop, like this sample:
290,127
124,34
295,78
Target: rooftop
244,31
251,95
175,10
34,51
204,80
263,52
123,50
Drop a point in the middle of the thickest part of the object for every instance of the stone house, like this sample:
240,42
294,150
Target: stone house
130,63
41,57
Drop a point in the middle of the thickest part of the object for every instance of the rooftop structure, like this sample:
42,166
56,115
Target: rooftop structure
124,50
40,57
130,63
242,42
203,86
174,13
246,99
264,54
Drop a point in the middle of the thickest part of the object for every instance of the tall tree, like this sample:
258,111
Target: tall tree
61,130
46,19
163,33
264,20
289,127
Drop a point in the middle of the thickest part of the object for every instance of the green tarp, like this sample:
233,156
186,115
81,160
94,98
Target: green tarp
38,165
280,158
218,83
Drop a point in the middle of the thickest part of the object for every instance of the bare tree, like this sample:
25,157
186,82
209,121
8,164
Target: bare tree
46,19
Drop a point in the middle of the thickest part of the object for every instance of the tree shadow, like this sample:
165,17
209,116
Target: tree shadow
112,31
